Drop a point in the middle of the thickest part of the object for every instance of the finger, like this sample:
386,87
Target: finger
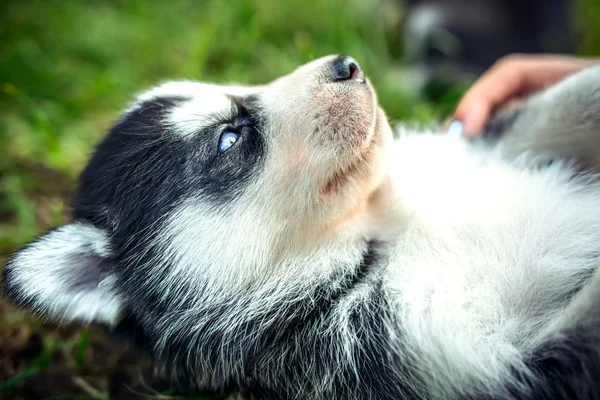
500,83
514,76
475,120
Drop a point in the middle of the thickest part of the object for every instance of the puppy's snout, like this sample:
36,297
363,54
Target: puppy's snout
346,68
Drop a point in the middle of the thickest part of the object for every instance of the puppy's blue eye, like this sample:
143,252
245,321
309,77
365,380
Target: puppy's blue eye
227,140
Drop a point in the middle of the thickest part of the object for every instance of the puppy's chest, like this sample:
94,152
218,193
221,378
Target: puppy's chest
489,248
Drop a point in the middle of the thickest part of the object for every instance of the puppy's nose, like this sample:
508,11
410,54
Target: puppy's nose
346,68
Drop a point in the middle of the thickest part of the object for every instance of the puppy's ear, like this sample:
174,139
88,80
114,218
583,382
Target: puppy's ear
63,275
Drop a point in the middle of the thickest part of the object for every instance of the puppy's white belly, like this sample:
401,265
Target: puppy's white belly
491,254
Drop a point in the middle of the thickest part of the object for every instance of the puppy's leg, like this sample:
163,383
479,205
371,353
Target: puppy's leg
563,121
566,363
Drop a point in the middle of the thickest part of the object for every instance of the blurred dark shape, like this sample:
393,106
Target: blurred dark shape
450,40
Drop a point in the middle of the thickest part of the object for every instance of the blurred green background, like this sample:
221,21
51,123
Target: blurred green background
66,69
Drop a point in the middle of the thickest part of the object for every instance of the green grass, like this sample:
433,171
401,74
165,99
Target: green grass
66,69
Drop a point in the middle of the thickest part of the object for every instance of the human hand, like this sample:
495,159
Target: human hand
511,78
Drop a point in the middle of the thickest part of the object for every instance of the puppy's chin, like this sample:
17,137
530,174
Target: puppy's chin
358,189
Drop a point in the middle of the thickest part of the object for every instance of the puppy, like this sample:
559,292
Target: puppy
277,242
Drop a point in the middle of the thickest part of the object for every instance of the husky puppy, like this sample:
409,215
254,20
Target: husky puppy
276,241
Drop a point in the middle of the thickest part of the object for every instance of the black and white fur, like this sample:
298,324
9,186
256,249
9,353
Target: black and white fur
319,259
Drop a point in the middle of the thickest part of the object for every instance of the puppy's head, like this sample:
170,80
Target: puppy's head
202,189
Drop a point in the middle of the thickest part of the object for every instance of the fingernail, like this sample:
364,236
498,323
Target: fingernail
474,119
455,128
